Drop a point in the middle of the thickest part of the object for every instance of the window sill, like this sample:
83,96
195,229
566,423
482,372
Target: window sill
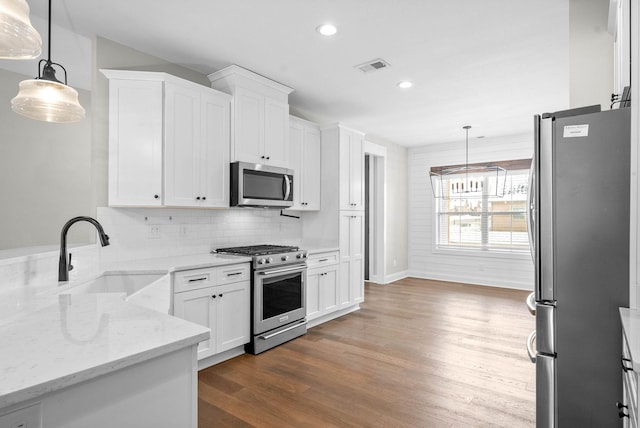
497,254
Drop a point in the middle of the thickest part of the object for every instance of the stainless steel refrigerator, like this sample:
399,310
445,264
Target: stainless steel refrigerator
579,235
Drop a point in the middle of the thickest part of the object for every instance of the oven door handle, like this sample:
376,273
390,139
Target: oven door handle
276,271
269,336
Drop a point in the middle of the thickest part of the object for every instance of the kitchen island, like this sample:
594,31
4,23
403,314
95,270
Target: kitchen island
97,359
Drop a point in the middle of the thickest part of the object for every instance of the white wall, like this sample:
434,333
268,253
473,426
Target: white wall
591,58
514,271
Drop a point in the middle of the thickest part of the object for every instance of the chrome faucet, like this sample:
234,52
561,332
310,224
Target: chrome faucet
63,266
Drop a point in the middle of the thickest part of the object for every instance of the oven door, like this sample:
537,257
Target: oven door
279,296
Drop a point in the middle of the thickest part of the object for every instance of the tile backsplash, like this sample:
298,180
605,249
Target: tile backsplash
142,233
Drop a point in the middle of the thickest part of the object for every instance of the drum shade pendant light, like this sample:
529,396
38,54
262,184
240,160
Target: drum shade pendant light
46,98
467,181
18,38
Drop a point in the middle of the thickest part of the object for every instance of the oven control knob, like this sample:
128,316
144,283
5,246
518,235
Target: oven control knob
270,260
261,261
284,258
299,256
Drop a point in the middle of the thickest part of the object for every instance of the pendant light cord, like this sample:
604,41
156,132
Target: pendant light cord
49,35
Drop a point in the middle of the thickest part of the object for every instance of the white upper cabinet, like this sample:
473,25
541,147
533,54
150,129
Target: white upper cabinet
196,147
351,170
157,120
304,143
260,119
135,142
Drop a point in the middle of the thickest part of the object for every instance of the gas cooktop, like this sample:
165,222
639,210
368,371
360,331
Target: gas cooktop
258,250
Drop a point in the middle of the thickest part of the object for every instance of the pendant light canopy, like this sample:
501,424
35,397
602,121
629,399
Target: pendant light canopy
468,180
46,98
18,38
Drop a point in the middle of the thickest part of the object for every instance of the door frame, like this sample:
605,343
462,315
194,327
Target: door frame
377,210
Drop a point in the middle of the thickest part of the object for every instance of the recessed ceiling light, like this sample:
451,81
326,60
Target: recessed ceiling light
405,84
327,29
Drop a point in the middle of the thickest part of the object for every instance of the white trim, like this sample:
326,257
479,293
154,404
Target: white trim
395,277
377,209
218,358
493,254
468,279
235,71
333,315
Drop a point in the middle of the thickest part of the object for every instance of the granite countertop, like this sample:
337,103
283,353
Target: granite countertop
631,329
52,339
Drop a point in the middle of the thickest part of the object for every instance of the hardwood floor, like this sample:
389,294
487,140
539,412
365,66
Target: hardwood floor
419,353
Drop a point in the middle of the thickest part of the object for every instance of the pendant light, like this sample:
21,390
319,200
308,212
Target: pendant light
469,180
18,38
47,98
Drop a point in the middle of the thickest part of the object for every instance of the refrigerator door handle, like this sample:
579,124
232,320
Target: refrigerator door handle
530,350
531,209
531,303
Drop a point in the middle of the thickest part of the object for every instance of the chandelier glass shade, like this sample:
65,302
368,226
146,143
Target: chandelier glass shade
45,97
18,38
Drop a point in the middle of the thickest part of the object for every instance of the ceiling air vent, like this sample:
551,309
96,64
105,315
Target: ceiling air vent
373,65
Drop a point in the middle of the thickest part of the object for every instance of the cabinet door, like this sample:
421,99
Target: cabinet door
345,170
356,280
356,234
276,133
343,282
313,294
232,315
182,146
311,169
356,169
135,143
296,135
248,126
197,306
214,150
329,290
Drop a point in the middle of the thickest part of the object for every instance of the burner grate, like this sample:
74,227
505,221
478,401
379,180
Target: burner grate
256,250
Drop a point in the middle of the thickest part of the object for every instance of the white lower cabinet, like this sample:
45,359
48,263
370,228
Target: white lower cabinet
221,306
323,287
351,257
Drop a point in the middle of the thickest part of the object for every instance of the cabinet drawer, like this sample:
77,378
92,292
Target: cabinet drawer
233,273
322,259
194,279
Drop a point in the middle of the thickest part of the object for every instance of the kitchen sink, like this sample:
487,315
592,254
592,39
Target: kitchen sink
113,282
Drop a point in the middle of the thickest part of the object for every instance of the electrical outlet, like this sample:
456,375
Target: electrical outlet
153,231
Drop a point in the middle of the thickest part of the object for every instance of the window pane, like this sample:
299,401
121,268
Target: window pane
485,222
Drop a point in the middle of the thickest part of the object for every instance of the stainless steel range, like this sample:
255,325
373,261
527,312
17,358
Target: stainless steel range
278,294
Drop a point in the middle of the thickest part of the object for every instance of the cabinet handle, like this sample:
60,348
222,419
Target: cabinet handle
323,260
234,274
204,278
624,366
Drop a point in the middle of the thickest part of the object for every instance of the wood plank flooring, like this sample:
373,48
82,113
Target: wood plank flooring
419,353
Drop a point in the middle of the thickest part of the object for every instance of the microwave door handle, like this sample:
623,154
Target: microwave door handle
287,187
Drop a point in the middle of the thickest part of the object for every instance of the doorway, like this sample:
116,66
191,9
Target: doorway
374,212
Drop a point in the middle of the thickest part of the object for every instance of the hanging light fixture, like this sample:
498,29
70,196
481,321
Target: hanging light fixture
468,180
47,98
18,38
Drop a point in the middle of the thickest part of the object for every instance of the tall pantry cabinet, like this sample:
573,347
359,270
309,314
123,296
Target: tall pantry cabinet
344,214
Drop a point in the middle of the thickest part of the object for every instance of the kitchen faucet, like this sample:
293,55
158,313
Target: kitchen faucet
63,266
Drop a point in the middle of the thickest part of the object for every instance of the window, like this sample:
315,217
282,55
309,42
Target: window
483,222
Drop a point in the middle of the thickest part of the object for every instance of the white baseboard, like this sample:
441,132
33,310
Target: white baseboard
395,276
516,285
218,358
333,315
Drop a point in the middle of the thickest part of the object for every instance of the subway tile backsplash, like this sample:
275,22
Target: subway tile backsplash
141,233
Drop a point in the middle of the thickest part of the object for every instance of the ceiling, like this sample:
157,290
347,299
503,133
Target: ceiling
491,63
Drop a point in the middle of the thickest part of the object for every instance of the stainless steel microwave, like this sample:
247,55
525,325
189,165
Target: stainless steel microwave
256,185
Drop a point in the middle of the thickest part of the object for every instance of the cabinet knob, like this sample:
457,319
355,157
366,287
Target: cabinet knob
204,198
156,196
213,297
197,198
220,295
262,157
268,157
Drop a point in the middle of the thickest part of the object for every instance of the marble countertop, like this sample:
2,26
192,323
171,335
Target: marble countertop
82,336
631,329
52,340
